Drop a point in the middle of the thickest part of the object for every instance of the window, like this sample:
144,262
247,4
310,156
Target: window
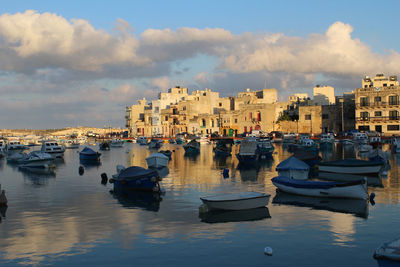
377,99
364,116
166,118
307,117
250,115
385,85
393,115
325,116
364,101
258,116
235,120
203,122
220,104
393,100
378,113
212,123
138,130
393,127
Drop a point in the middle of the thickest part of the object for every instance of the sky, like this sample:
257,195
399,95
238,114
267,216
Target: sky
80,63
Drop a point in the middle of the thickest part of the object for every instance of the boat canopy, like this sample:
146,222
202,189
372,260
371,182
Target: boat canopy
157,155
248,147
136,172
292,163
88,151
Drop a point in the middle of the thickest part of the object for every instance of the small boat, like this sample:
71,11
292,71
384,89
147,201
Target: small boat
375,141
236,201
2,149
265,148
14,146
388,254
351,166
117,143
89,154
53,148
356,189
136,178
180,139
142,140
223,148
204,140
157,160
167,153
171,141
36,158
154,144
293,168
363,148
223,216
379,155
105,145
347,142
71,144
396,145
361,138
327,138
192,148
14,158
248,152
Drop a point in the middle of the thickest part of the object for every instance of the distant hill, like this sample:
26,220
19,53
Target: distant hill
57,132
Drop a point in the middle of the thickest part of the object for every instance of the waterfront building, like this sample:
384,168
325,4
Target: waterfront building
324,95
377,105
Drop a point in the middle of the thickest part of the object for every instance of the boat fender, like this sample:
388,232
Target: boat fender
3,199
111,181
268,251
225,173
104,178
371,198
81,170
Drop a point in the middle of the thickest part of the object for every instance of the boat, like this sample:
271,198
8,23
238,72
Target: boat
53,148
180,139
236,201
13,146
89,154
356,189
142,140
171,141
136,178
117,143
361,138
104,145
14,158
396,145
375,141
154,144
388,254
327,138
223,147
379,155
167,153
248,152
347,142
36,158
223,216
357,207
203,140
265,148
293,168
351,166
157,160
2,149
363,148
192,148
71,144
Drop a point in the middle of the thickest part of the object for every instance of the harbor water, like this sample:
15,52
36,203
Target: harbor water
65,218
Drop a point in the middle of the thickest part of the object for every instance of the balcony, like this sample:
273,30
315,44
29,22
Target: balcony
377,104
379,119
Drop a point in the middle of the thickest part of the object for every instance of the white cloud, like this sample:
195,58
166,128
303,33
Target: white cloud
161,83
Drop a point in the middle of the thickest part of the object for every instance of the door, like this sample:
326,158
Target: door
378,128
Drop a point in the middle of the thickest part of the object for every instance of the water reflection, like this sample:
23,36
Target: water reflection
352,206
144,200
223,216
375,181
90,163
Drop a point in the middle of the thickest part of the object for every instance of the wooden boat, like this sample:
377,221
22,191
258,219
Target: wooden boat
248,152
142,140
36,158
352,166
154,144
293,168
265,148
167,153
223,148
356,189
117,143
136,178
191,148
388,254
89,154
236,201
157,160
71,144
104,145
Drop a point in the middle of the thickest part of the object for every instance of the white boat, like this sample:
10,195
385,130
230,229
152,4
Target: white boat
53,148
36,158
71,144
388,254
204,140
2,149
363,148
15,157
117,143
237,201
157,160
142,140
396,145
327,138
360,138
13,146
347,142
351,166
356,189
293,168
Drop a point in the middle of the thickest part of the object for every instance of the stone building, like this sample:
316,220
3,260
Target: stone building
377,105
324,95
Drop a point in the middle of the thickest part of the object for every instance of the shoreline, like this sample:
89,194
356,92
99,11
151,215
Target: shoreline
81,130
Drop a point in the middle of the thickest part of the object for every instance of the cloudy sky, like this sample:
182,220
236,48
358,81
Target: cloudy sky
70,63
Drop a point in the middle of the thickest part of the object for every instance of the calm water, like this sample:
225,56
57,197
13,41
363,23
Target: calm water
65,219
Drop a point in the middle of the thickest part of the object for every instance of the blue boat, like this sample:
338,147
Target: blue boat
154,144
136,178
223,148
89,154
192,148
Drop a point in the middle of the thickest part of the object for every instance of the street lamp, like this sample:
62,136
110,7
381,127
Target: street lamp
342,101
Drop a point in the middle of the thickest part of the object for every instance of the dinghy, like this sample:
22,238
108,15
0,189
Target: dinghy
356,189
388,254
157,160
351,166
293,168
236,201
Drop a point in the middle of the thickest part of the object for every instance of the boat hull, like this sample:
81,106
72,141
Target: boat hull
350,169
157,162
321,189
237,202
247,159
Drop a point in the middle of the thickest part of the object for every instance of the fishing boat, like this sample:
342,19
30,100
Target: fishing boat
351,166
14,145
14,158
361,138
36,158
356,189
379,155
180,139
104,145
71,144
154,144
157,160
192,148
265,148
142,140
293,168
89,154
375,141
327,141
171,141
2,149
203,140
364,148
396,145
248,152
117,143
223,147
167,153
53,148
136,178
236,201
388,254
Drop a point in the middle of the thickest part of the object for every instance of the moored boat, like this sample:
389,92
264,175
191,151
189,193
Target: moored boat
352,166
237,201
53,148
36,158
293,168
388,254
136,178
142,140
248,152
356,189
223,148
104,145
71,144
155,144
265,148
117,143
192,148
157,160
89,154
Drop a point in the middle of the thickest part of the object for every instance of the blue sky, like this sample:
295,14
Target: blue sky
87,60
